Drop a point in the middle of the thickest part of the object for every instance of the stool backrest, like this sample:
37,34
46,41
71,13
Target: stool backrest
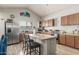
27,40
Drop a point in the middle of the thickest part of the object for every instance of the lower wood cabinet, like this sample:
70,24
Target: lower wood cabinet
70,40
76,41
62,39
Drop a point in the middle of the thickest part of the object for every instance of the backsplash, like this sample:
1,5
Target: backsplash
68,29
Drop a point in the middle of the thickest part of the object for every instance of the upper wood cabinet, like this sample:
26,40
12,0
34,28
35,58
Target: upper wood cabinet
48,23
76,18
64,20
51,22
70,19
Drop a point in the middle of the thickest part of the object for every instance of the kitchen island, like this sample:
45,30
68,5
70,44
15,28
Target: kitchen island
48,43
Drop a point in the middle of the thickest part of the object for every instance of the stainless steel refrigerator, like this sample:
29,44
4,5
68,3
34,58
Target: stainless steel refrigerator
12,31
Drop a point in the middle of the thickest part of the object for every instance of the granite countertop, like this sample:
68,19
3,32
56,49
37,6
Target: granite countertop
70,34
42,36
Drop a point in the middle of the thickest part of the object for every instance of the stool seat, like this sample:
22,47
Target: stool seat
34,45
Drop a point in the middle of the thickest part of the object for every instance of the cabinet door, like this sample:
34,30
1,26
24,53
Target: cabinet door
53,22
64,20
76,18
50,23
70,19
70,40
76,41
62,39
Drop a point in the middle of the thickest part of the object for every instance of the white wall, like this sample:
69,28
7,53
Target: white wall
58,15
5,14
1,27
34,18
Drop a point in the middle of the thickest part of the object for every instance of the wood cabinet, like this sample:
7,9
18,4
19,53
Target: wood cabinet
76,41
70,40
76,18
51,22
48,23
62,39
64,20
72,19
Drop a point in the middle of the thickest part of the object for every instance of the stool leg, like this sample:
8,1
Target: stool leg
35,51
27,49
39,50
30,51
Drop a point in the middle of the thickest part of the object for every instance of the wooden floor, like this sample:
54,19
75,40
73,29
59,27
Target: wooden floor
61,50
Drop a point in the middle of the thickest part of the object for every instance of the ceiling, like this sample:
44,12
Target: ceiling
40,9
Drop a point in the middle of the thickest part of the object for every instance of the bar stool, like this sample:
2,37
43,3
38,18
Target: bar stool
24,48
31,46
